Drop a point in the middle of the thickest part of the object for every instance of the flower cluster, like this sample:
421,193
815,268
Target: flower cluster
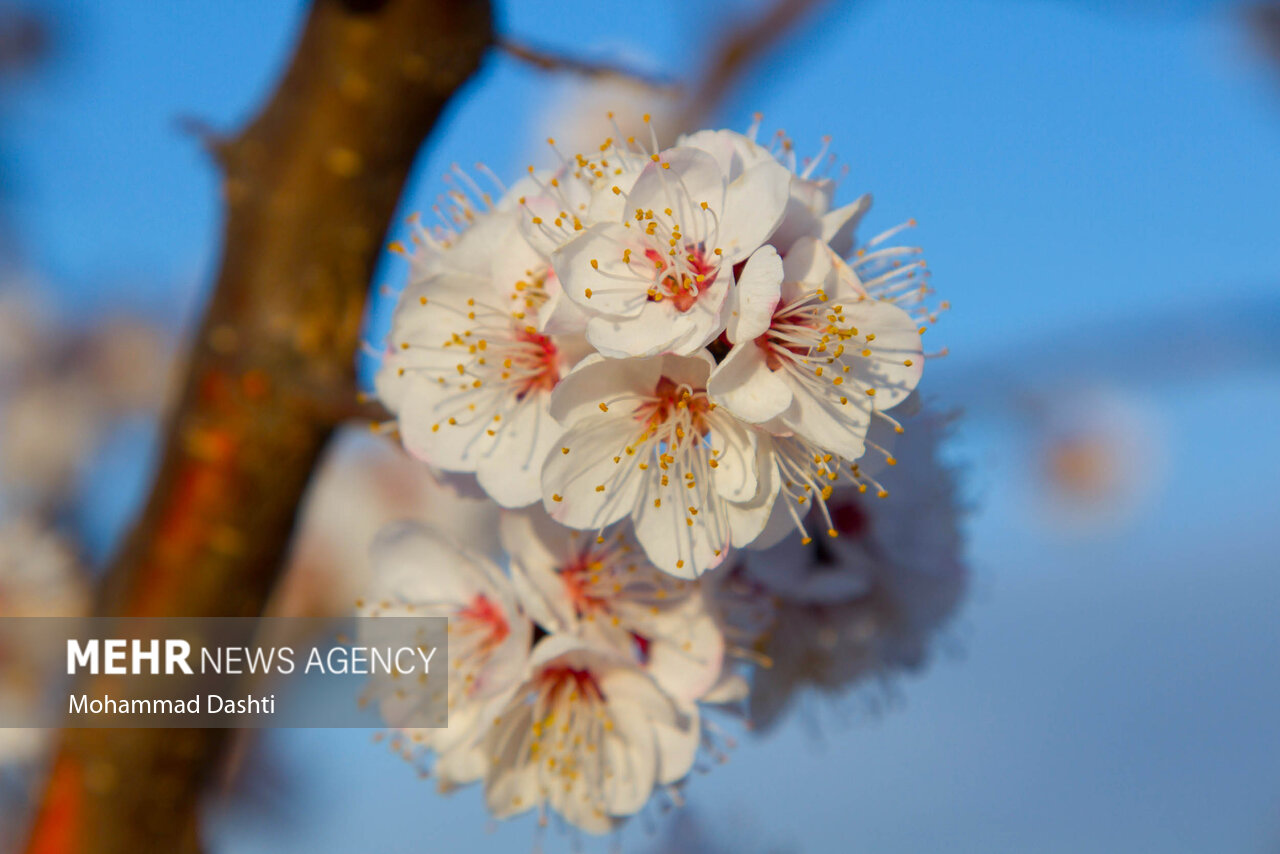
658,363
579,679
684,339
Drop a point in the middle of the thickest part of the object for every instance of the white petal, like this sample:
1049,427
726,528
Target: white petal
733,447
632,688
754,205
559,315
677,745
829,424
756,296
659,327
425,408
511,470
748,519
537,545
435,321
897,341
632,757
596,380
415,563
511,786
475,248
809,201
687,653
577,477
809,262
616,288
839,225
691,370
673,544
693,177
608,206
733,151
744,384
390,382
731,688
777,526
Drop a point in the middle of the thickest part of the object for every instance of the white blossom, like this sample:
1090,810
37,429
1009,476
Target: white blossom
589,735
809,210
365,483
870,601
40,576
815,356
469,374
643,440
419,572
656,281
604,589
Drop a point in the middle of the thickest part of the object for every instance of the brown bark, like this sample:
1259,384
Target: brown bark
309,189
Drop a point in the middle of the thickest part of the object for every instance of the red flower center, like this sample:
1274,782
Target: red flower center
558,679
669,399
682,284
486,613
541,364
578,585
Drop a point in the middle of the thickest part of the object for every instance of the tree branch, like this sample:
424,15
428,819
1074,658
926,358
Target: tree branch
309,187
546,60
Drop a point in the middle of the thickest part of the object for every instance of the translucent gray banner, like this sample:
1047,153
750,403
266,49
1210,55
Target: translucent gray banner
223,672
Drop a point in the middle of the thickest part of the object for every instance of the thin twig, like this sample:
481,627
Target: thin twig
1264,21
734,54
547,60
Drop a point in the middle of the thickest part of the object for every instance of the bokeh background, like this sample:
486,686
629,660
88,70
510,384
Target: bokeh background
1098,191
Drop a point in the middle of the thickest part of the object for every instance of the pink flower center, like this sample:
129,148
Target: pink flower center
579,585
540,363
555,680
679,405
682,282
484,612
787,335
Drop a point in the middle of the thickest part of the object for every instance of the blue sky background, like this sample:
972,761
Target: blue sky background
1098,187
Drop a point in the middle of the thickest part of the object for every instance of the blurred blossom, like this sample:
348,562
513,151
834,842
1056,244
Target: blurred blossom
1100,456
61,391
585,111
129,362
40,576
23,329
365,483
47,429
869,603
